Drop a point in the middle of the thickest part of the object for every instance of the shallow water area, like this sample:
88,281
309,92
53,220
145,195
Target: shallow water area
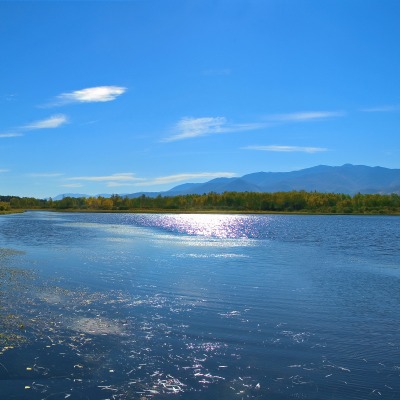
117,306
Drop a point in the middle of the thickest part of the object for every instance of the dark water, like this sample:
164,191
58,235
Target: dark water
124,306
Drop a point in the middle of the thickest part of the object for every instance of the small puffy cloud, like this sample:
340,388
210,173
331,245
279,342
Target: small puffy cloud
52,122
188,127
305,116
287,149
91,95
163,180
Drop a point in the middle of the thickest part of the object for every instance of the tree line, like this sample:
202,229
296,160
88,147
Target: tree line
294,201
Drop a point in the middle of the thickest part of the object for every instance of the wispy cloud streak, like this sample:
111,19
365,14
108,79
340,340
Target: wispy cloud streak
114,180
72,185
163,180
9,135
52,122
305,116
385,108
120,177
45,174
130,179
193,127
287,149
188,127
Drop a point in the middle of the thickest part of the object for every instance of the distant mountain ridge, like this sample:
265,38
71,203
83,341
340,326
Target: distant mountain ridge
347,179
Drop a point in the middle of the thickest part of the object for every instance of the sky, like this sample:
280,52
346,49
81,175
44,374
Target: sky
128,96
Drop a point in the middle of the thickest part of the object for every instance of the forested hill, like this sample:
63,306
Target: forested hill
347,179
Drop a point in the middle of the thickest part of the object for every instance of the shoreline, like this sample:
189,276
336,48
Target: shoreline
211,212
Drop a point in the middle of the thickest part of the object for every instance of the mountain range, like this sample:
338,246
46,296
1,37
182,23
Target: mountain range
348,179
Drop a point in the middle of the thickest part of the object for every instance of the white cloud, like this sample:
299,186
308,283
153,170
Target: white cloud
72,185
287,149
3,170
91,95
385,108
304,116
192,127
119,184
52,122
189,127
187,177
129,179
45,174
11,134
120,177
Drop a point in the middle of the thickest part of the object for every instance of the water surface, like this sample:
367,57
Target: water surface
116,306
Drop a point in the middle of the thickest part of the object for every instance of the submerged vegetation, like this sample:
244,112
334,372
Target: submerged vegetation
246,202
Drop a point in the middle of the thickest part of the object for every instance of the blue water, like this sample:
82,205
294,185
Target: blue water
135,306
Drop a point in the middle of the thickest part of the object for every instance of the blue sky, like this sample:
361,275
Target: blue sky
128,96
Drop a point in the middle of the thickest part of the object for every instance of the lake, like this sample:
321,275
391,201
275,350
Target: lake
137,306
